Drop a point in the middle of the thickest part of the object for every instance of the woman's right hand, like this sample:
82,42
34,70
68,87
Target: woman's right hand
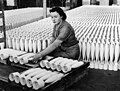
35,58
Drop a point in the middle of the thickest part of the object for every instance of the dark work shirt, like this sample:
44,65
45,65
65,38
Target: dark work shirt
66,33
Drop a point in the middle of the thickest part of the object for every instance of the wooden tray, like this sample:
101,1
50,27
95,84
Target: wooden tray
69,78
27,65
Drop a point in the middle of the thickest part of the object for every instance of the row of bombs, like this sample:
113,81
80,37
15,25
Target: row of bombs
46,30
95,43
22,43
99,9
22,58
99,32
61,64
15,56
16,18
101,52
28,44
30,27
78,14
32,31
102,16
104,65
10,53
104,61
35,78
104,19
2,45
18,43
16,34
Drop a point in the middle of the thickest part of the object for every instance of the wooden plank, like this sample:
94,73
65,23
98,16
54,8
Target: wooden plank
4,79
1,28
2,40
1,15
3,20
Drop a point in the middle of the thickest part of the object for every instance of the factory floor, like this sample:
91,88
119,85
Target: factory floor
98,80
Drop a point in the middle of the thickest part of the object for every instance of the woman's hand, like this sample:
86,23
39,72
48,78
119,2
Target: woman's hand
35,57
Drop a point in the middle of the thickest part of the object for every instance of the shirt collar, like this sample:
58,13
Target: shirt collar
59,25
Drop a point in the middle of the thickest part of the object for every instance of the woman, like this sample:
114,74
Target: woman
64,42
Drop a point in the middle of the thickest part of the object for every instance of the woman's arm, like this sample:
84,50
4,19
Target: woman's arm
64,33
46,51
50,48
52,40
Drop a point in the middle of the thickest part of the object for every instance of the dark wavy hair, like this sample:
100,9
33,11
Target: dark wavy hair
59,11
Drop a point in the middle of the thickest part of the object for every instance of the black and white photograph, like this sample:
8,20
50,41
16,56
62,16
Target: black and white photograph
59,45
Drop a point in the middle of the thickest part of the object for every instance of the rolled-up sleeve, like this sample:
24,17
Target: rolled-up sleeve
64,33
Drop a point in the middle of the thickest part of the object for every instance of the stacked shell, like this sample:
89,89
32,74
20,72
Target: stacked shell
35,78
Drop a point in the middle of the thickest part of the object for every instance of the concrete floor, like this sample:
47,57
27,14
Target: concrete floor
98,80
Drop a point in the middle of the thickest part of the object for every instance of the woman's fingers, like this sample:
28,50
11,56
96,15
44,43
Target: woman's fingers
35,58
31,58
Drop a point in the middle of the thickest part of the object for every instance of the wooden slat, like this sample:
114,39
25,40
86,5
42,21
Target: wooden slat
3,20
2,40
1,28
1,15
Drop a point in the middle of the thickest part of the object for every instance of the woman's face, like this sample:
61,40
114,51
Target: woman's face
56,18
